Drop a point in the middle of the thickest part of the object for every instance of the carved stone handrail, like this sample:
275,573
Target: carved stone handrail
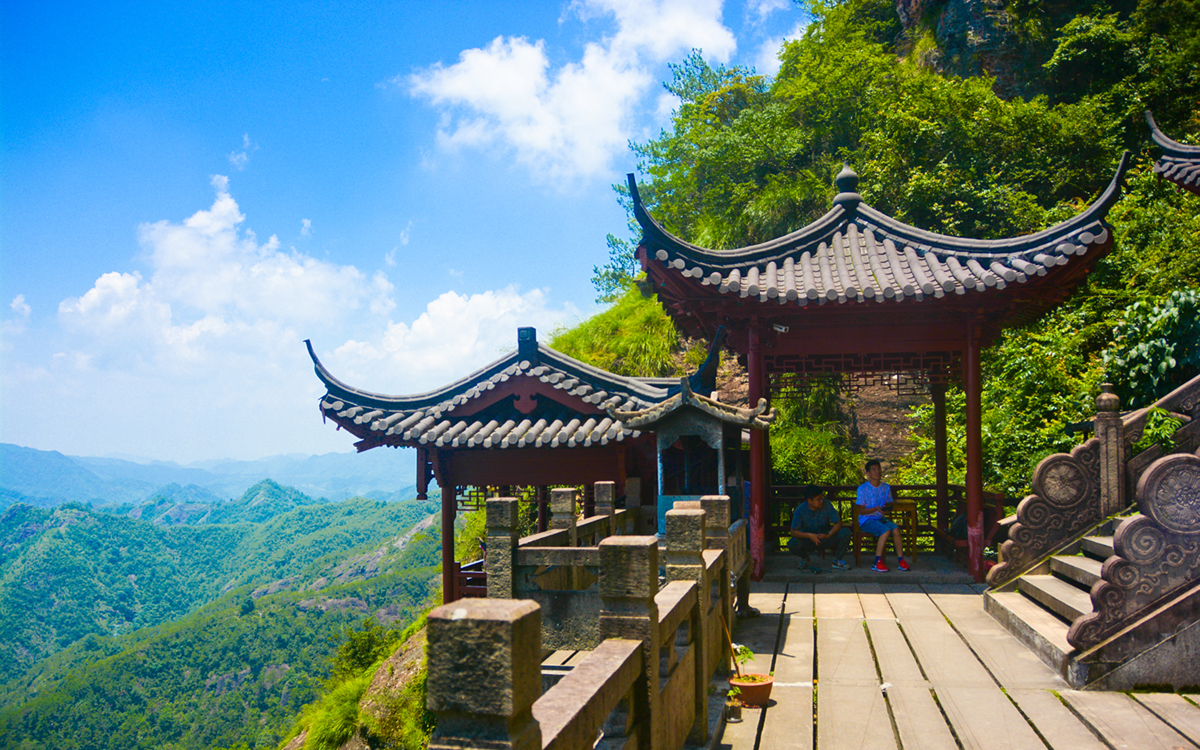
582,703
1157,552
1065,503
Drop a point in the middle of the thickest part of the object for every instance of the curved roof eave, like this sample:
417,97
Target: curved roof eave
1169,146
847,206
644,388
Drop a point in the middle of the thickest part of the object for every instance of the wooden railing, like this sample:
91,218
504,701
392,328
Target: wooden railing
934,518
645,681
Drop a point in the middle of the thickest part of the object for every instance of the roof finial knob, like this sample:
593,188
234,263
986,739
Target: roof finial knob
846,180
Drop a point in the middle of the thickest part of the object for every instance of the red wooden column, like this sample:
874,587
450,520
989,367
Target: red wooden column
449,506
758,458
973,385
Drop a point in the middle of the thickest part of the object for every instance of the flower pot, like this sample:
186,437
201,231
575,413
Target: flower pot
733,712
756,691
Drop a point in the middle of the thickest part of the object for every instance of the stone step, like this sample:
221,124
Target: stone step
1099,547
1084,571
1060,597
1042,632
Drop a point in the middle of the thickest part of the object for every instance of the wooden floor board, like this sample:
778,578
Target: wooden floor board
918,719
874,604
983,717
1123,722
837,600
1010,662
789,724
799,600
794,659
1175,710
1054,721
843,654
852,716
943,656
896,662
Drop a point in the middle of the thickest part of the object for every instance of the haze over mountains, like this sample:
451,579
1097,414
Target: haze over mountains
48,478
158,605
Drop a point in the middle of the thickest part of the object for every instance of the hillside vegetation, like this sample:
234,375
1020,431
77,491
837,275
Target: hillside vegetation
72,571
749,158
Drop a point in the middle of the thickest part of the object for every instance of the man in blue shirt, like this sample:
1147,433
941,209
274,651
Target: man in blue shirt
873,497
817,525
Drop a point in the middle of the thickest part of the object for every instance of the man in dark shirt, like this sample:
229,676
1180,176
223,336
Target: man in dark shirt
817,525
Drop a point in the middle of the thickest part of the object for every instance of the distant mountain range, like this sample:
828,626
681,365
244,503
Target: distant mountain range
49,478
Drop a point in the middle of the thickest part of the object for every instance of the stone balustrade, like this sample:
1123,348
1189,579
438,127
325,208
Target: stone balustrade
653,652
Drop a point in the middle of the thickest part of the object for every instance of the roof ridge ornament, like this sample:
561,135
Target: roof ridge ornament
847,185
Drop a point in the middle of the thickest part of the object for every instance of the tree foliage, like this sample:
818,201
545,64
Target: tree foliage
747,159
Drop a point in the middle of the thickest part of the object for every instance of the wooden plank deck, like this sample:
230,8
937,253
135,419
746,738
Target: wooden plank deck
909,666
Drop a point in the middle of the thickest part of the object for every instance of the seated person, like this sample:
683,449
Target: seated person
817,525
873,497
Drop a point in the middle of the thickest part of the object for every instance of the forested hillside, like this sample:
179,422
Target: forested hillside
70,572
748,158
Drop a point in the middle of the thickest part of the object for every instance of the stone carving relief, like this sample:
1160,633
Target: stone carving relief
1157,551
1064,503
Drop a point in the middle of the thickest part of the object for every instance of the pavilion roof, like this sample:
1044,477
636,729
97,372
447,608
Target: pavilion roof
759,417
480,409
856,254
1179,163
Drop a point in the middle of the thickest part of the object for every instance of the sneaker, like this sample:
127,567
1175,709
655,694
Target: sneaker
880,567
814,569
840,565
903,564
803,563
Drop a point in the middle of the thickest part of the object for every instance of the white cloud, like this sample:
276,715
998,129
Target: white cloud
199,352
305,227
20,307
767,60
760,10
389,258
569,121
404,233
239,159
454,336
15,325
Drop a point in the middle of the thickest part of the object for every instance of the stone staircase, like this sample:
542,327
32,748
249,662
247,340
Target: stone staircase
1048,599
1101,574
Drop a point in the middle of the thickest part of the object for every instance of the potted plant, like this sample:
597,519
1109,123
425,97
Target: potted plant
753,689
733,706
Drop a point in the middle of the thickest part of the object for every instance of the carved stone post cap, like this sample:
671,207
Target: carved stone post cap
1108,399
563,500
685,530
629,567
502,513
718,509
484,656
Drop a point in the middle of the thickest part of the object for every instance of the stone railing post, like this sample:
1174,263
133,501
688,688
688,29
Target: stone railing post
606,503
562,512
484,658
633,503
502,540
1110,430
685,562
628,584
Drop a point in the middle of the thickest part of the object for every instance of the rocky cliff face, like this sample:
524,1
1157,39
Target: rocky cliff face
974,37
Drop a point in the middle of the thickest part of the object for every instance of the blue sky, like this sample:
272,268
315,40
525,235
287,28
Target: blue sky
192,189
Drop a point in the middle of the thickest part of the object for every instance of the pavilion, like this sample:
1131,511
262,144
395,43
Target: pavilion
537,418
1179,163
862,295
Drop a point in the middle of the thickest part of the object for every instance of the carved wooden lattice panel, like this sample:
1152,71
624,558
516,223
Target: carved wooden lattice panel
907,373
1157,552
1064,503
